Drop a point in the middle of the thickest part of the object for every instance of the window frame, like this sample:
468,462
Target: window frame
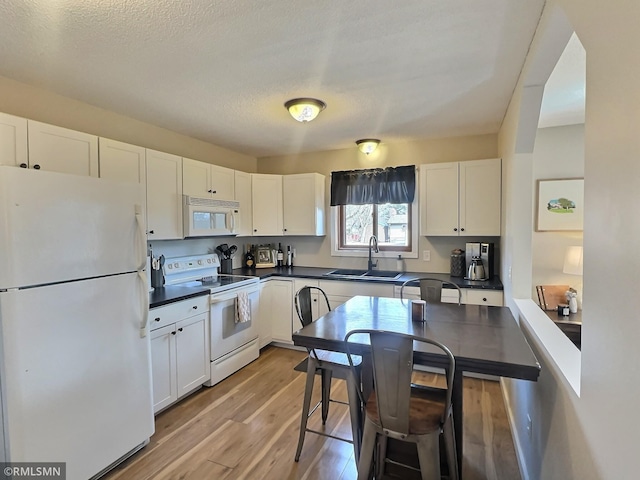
396,249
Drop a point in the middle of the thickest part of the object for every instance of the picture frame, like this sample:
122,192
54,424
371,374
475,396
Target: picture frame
264,257
560,205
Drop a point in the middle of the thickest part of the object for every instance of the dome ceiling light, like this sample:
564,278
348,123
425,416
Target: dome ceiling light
305,109
367,145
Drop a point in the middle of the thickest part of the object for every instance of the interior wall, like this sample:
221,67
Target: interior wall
316,251
38,104
558,153
600,427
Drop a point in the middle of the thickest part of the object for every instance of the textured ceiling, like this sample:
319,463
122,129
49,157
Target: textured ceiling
221,70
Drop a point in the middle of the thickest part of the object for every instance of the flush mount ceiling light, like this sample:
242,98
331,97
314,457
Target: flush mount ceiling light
305,109
367,145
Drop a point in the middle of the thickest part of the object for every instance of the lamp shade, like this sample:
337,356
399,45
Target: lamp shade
305,109
367,145
573,261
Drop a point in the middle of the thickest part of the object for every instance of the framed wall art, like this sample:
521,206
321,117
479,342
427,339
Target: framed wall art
560,205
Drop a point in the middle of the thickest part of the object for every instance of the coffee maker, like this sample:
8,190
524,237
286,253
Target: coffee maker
483,251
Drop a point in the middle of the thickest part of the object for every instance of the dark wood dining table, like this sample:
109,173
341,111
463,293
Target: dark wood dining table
483,339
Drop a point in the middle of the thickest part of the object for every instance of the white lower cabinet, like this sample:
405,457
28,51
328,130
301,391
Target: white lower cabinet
318,305
339,292
179,350
276,305
470,296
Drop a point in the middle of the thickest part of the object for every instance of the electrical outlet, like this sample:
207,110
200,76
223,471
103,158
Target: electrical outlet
529,427
426,255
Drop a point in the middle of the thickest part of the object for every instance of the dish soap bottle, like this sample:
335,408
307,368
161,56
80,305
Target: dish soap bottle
400,264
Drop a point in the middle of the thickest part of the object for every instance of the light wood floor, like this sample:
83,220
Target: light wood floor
247,428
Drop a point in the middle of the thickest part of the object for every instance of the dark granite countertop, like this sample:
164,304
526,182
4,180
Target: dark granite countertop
319,274
170,294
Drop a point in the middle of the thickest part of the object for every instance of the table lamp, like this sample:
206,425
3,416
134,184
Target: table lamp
573,266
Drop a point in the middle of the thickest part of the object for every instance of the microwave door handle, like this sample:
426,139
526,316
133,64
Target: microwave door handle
232,224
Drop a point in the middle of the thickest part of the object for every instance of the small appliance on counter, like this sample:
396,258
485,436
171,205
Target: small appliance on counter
479,261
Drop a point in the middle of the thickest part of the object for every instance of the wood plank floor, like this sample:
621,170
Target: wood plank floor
247,428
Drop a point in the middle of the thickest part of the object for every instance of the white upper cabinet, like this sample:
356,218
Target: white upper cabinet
242,182
461,198
303,204
122,161
164,196
266,201
13,141
201,179
62,150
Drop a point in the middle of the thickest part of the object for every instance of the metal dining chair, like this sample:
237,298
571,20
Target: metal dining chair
431,289
328,365
402,410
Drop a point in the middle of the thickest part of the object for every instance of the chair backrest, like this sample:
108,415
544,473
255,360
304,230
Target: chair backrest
392,360
303,303
431,289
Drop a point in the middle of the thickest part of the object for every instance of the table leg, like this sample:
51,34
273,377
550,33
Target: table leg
457,416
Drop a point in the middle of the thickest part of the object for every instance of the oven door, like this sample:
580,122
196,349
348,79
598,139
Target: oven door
226,334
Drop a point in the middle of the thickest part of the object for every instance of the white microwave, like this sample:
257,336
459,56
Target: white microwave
206,217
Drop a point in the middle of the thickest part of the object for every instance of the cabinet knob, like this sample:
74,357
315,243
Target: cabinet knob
180,329
462,229
284,229
173,333
214,191
23,165
36,167
195,307
455,229
151,232
484,299
157,319
255,229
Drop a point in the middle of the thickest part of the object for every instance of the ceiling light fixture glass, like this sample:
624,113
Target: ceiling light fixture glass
305,109
367,145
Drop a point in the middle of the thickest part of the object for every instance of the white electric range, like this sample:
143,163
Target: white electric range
233,344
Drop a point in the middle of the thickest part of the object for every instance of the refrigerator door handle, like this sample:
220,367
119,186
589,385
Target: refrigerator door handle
144,303
142,244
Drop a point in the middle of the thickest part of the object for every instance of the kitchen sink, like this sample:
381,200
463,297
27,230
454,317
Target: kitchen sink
368,274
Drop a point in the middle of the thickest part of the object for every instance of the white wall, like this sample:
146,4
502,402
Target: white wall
558,153
594,435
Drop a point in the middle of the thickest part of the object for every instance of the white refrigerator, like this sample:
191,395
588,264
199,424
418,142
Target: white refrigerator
75,369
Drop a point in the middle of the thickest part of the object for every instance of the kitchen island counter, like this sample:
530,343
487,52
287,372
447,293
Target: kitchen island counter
320,273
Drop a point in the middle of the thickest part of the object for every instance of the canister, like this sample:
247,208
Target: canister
457,263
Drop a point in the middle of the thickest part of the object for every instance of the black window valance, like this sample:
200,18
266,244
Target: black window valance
374,185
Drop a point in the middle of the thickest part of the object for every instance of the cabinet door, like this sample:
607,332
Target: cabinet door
122,161
13,140
196,178
266,201
265,313
164,196
58,149
303,204
192,353
480,194
281,307
242,182
439,199
222,182
163,366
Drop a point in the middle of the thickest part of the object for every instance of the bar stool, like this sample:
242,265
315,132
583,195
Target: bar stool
327,364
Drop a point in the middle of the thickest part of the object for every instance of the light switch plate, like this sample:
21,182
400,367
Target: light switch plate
426,255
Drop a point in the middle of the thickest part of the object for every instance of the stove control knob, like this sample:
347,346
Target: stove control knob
208,260
199,262
169,266
176,265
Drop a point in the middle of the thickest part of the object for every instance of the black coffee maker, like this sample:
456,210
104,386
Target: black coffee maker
480,253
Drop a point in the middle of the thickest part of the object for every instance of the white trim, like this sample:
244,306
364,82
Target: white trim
364,252
559,349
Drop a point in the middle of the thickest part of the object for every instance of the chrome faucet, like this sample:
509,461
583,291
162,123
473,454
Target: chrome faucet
373,243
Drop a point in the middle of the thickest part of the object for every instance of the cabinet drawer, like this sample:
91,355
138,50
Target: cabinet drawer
483,297
174,312
351,289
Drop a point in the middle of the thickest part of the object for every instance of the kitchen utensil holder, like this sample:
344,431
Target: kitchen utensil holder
226,266
157,278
